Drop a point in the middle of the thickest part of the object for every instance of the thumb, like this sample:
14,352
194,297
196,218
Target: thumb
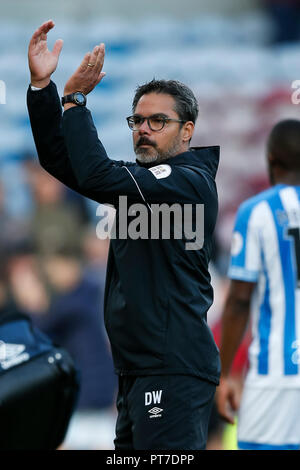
57,47
102,75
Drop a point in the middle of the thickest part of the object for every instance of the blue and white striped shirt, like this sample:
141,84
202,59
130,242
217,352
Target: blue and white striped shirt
266,250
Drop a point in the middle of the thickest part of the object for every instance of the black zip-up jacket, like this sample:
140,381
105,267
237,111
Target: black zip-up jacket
157,291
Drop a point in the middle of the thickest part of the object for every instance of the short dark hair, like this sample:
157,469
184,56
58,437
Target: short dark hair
284,144
186,105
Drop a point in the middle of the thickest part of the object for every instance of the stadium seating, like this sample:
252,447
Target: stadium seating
228,63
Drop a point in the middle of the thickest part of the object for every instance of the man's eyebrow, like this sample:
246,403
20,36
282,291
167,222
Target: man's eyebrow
160,115
152,115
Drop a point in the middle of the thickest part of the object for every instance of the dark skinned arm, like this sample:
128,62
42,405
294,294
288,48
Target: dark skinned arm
235,320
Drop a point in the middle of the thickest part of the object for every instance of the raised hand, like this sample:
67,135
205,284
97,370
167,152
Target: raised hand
42,62
89,73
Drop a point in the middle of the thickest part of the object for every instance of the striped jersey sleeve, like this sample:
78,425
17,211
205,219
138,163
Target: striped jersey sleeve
266,250
245,261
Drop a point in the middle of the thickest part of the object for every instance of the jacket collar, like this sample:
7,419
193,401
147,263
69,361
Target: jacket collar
205,158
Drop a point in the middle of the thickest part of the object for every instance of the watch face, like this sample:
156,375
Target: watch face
80,98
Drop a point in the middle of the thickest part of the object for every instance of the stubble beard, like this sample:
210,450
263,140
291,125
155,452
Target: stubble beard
155,154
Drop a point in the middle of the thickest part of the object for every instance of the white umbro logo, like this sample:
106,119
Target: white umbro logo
11,354
154,398
155,412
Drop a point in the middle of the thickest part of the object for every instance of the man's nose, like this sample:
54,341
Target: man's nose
144,128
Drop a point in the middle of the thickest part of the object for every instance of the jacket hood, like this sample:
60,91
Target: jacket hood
205,158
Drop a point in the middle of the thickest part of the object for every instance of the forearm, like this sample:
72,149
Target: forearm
45,113
234,324
94,171
87,155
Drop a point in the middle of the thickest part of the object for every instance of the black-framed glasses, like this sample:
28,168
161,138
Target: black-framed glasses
156,122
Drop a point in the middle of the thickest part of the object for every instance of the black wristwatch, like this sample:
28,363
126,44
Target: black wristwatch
77,98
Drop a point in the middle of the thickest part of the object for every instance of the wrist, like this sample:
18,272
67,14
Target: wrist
224,378
40,83
77,98
69,91
69,105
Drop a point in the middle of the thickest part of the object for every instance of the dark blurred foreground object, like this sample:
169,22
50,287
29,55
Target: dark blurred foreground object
38,386
286,17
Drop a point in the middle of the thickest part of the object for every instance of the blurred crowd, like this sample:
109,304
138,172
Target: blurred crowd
55,273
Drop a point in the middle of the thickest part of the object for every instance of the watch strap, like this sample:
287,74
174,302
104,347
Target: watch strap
71,98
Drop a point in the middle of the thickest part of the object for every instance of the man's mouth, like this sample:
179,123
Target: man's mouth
145,143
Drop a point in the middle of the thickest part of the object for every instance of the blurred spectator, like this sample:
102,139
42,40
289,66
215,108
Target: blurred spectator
56,273
26,284
75,321
95,252
60,284
8,301
286,17
56,223
13,230
30,165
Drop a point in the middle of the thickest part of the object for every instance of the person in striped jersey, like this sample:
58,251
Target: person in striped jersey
265,289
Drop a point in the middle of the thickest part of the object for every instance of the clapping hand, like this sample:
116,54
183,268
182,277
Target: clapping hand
89,73
42,62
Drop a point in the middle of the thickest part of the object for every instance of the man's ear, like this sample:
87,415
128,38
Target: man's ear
187,131
274,161
270,157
